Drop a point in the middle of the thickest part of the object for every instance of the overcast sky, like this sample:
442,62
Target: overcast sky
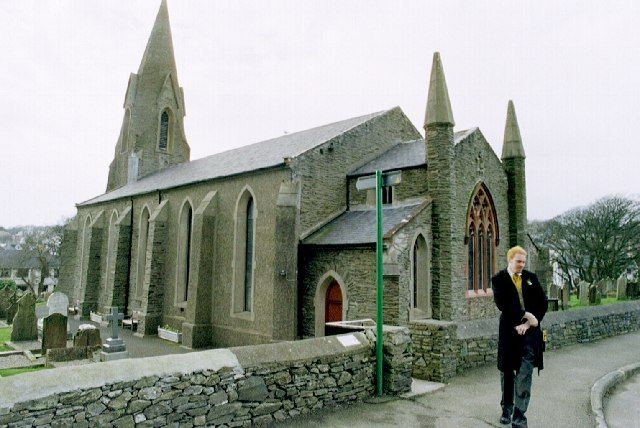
254,70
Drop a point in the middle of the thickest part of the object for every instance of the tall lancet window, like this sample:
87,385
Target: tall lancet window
248,272
244,254
143,238
184,253
481,239
164,131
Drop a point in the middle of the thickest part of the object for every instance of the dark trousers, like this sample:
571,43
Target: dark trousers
517,384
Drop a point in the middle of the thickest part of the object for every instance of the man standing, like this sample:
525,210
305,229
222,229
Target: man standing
522,303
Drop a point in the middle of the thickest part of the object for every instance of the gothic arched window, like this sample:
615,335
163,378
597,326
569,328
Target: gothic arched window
248,259
184,253
481,239
143,237
244,258
163,138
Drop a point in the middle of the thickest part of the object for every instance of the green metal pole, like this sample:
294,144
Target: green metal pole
379,282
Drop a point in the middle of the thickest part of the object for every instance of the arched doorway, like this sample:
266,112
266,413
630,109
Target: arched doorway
333,303
330,302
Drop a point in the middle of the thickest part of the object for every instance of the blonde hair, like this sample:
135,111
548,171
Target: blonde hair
515,250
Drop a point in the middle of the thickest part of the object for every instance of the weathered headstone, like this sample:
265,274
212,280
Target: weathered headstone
58,303
553,291
25,321
622,287
54,332
594,295
602,286
564,293
584,293
114,348
611,286
87,335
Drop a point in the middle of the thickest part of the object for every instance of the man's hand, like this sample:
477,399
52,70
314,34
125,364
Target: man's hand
522,328
533,321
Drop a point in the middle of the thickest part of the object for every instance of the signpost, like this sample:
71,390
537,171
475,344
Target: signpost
376,182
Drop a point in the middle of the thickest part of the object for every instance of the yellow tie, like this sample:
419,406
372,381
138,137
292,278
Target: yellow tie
517,280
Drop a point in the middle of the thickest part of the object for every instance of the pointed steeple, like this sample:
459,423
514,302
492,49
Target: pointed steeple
512,145
438,104
152,134
158,55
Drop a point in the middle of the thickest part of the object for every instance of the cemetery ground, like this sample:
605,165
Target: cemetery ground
20,357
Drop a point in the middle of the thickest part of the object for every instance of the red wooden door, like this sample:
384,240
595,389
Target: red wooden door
333,305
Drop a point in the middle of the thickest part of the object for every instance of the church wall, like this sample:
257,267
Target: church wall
228,329
402,250
322,171
354,266
467,176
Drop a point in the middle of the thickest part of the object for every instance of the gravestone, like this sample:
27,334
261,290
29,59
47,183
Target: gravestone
114,348
25,321
553,291
611,286
584,293
564,293
54,332
622,287
87,335
58,303
594,295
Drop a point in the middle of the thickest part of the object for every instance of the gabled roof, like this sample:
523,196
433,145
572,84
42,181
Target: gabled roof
404,155
358,227
265,154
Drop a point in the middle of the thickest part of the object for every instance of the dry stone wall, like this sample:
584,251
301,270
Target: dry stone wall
442,349
234,387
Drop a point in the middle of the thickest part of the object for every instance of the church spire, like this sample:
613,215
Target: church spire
158,55
512,145
152,133
438,104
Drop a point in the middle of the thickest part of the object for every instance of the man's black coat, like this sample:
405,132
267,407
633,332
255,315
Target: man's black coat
507,301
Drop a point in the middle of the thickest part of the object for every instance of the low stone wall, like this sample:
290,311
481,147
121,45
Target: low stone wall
443,349
237,387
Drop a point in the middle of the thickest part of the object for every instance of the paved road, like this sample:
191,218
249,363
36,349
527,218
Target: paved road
560,395
622,408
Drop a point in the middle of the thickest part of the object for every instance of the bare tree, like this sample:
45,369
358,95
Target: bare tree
41,245
594,242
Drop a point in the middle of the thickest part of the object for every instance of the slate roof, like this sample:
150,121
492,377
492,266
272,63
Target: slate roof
253,157
359,226
16,259
404,155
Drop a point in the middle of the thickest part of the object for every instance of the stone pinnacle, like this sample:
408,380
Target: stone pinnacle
438,104
512,144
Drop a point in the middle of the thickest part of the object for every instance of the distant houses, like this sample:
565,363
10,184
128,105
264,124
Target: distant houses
18,265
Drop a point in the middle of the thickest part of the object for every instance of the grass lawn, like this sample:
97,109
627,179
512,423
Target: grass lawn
574,302
5,336
11,372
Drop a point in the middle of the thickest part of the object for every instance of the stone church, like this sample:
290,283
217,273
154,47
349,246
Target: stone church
272,240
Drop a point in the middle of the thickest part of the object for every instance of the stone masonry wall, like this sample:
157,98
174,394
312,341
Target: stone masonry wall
66,280
258,385
443,349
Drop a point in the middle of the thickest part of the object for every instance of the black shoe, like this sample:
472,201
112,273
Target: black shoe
505,419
